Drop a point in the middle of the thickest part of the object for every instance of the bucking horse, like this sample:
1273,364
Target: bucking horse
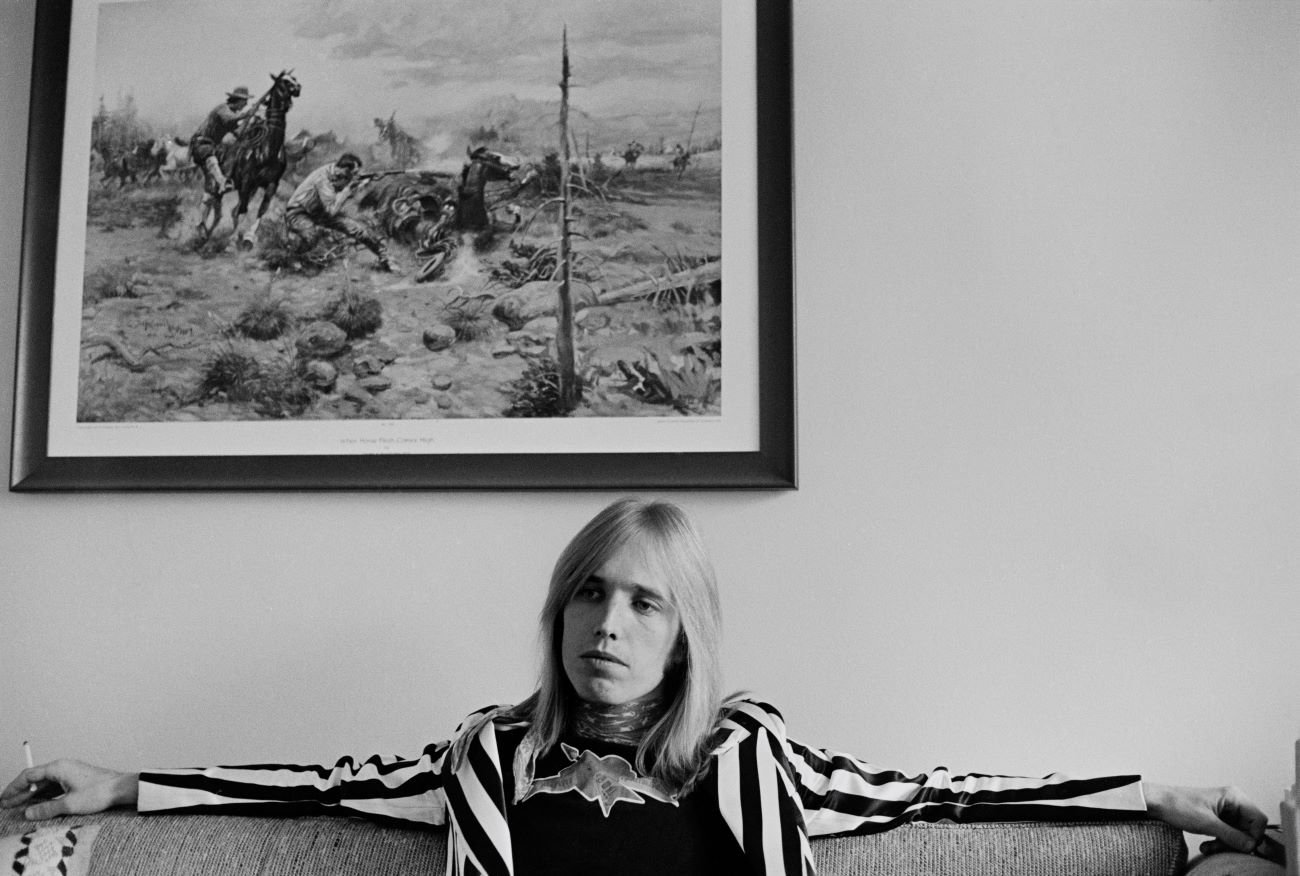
437,213
485,166
471,214
255,160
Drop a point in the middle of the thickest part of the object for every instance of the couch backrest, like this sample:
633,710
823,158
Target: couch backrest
209,845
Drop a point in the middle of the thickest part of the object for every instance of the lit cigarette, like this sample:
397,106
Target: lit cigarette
27,752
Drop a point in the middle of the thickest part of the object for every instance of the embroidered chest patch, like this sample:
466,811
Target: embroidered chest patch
605,780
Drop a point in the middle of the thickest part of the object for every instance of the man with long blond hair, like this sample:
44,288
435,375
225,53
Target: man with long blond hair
628,758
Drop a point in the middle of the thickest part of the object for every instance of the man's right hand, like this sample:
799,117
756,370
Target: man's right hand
69,787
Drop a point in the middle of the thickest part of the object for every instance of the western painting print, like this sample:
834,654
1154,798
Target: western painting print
496,225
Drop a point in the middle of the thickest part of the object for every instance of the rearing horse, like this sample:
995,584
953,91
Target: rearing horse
256,159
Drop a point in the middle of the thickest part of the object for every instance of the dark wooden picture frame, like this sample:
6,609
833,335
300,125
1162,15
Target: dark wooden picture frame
771,466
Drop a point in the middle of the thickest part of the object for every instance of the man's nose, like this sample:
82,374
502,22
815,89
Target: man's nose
613,615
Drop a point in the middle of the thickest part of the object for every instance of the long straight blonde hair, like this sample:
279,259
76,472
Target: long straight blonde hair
676,748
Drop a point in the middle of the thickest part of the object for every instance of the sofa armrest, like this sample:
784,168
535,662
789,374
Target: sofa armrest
1095,848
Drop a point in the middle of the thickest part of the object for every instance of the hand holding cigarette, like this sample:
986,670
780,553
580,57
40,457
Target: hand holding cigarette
67,787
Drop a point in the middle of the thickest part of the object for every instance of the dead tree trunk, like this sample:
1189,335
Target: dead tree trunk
564,315
682,282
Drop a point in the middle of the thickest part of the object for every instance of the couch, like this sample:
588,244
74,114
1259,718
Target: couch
129,844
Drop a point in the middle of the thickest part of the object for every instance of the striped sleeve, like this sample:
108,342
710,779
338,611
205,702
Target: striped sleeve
757,796
841,794
477,805
383,788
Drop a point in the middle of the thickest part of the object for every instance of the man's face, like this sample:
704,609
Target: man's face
344,173
619,631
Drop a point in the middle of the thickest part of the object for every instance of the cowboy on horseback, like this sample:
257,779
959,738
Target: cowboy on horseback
223,120
317,203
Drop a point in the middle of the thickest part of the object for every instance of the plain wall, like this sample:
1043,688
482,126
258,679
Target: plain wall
1049,404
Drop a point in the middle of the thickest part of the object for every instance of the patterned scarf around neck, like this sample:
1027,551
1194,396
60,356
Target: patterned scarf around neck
624,723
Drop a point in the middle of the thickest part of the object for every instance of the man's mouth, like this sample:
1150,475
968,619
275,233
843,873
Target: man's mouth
602,657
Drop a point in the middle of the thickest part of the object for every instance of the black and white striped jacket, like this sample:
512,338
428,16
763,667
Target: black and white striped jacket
773,792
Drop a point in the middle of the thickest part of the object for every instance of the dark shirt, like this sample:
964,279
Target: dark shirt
590,813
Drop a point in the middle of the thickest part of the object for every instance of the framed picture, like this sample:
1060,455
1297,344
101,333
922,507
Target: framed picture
340,244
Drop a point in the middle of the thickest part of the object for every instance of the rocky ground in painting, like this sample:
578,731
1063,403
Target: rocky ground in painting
174,330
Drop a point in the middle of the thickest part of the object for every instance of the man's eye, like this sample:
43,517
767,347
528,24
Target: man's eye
587,594
645,606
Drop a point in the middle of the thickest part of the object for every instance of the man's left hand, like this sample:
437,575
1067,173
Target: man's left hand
1223,813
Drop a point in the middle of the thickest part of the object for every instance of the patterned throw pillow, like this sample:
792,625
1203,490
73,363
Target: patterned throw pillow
49,851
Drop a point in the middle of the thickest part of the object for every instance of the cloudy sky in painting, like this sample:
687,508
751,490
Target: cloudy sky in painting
358,59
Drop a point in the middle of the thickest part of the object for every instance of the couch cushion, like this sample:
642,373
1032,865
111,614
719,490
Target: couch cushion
1233,864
